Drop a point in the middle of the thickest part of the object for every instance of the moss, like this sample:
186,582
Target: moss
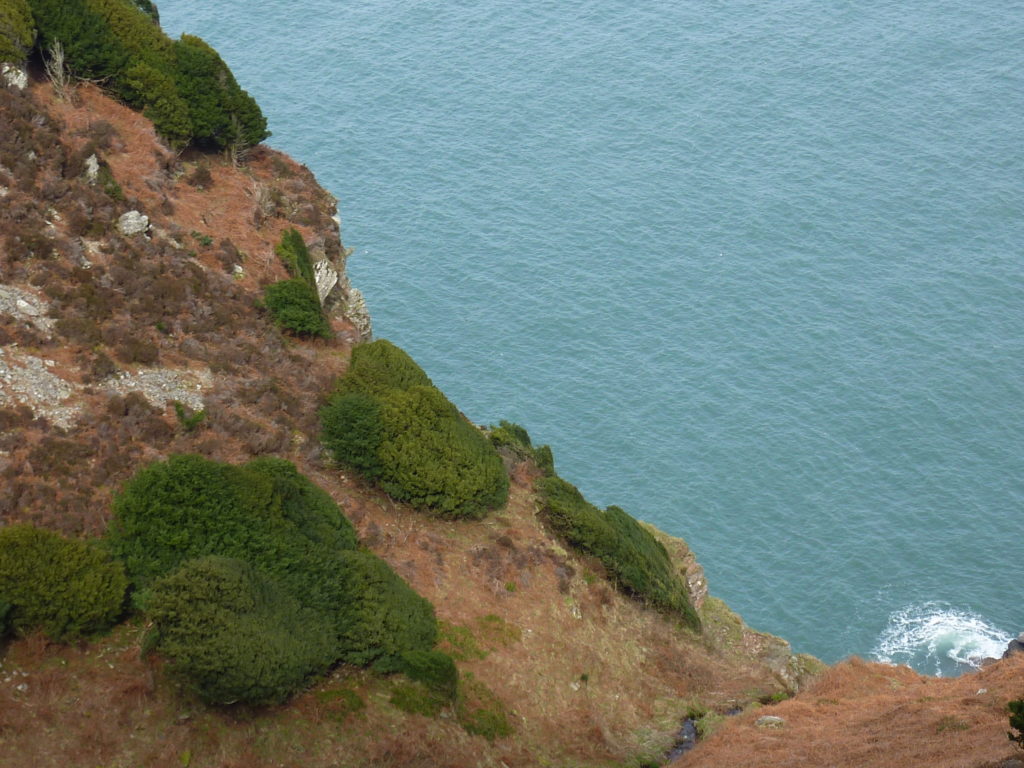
480,711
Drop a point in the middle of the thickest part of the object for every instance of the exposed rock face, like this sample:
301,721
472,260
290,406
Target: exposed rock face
770,721
326,278
14,76
163,385
27,380
26,307
133,223
1015,646
92,169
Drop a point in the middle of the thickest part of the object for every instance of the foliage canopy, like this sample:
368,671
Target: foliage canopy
17,30
295,304
635,559
389,422
65,587
183,85
281,554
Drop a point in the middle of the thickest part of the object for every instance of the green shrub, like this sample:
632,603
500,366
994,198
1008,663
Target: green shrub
264,512
1016,722
636,560
293,252
295,307
380,616
91,48
295,304
516,439
353,432
433,458
389,422
65,587
509,435
145,87
379,367
268,516
233,635
222,114
183,86
17,30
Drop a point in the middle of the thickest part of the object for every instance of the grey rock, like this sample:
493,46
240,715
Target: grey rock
26,380
770,721
133,223
26,307
1015,646
162,385
326,278
92,169
14,76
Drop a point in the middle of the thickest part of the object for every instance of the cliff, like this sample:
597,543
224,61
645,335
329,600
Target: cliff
131,279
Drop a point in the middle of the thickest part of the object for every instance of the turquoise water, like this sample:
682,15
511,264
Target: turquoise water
754,270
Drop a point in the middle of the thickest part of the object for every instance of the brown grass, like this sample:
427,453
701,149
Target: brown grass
861,715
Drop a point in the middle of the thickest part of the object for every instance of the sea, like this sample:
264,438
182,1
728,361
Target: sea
754,270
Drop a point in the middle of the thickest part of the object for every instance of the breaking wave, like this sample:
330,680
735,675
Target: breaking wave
938,639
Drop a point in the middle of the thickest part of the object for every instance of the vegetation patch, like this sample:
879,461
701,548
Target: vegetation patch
480,711
338,704
283,556
230,633
459,642
183,86
1016,734
294,304
66,588
388,421
638,562
17,30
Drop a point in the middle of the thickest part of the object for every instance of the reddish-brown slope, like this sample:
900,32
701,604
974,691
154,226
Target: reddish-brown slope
862,715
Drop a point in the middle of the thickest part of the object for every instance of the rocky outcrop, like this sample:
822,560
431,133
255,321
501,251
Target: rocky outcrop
29,380
14,76
133,223
1015,646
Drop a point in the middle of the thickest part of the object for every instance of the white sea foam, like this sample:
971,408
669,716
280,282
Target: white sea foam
936,636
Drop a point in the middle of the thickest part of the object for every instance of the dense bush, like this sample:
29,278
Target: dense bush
266,515
67,588
433,458
295,304
234,635
264,512
17,30
1016,722
635,559
379,367
295,307
516,439
222,114
389,422
380,616
293,252
183,86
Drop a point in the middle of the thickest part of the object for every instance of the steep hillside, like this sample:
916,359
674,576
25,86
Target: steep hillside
132,280
105,327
